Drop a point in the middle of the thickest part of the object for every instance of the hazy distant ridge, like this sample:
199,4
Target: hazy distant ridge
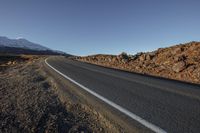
23,46
21,43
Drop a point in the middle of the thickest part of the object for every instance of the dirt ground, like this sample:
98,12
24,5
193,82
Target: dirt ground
30,102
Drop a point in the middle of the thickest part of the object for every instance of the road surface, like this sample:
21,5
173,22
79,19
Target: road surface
159,104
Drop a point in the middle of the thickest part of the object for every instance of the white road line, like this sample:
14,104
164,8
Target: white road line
121,109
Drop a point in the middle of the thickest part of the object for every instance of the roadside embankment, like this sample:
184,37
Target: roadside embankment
179,62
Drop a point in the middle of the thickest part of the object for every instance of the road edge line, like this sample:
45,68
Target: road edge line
114,105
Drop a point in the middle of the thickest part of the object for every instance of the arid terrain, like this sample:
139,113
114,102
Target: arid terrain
30,101
33,100
179,62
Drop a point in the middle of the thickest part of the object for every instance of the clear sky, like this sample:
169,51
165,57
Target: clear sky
101,26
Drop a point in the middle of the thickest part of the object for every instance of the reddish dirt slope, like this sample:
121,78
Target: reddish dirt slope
180,62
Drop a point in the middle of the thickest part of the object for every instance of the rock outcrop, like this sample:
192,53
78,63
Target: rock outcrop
180,62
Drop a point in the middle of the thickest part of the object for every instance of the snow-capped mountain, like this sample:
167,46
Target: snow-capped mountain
21,43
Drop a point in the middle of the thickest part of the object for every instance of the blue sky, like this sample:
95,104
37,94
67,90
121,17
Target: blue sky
85,27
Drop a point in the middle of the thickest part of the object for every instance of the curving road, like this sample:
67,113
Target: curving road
161,105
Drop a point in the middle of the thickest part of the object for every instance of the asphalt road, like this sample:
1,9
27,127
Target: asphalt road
170,105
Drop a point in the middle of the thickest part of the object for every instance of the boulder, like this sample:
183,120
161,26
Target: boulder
125,61
150,55
179,58
134,57
177,50
178,67
109,59
142,57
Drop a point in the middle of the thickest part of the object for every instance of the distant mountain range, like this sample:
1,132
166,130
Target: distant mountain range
23,46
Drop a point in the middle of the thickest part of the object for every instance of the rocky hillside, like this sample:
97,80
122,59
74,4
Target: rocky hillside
180,62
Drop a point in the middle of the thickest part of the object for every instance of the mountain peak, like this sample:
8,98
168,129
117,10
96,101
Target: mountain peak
21,43
23,46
